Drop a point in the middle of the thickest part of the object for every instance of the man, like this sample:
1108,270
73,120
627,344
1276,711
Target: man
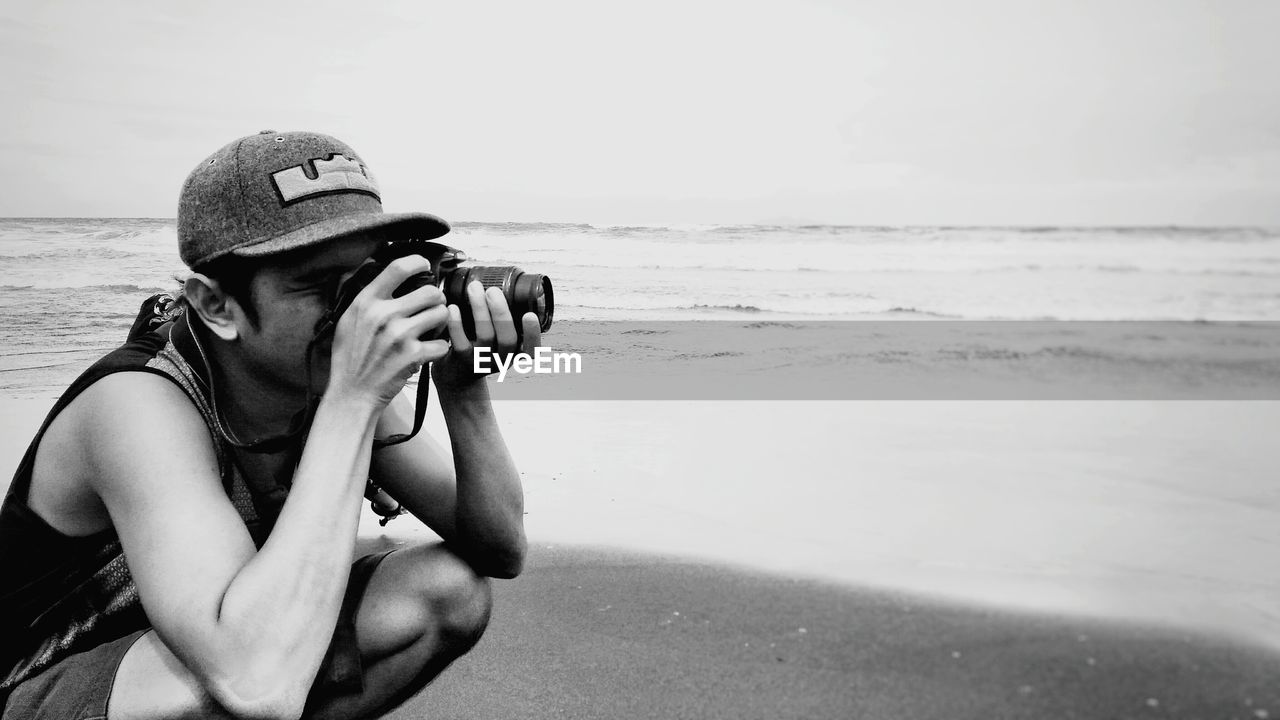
178,540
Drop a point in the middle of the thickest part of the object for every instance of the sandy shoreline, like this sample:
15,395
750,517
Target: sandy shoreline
1155,514
1160,511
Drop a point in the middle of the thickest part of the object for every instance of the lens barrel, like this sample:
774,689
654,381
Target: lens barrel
525,292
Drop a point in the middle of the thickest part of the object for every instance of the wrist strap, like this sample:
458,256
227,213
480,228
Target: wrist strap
419,411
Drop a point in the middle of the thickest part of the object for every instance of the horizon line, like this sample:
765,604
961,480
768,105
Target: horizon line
797,225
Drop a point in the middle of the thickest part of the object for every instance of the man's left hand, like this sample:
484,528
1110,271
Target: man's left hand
495,329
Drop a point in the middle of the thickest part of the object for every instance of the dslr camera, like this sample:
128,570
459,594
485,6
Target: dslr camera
525,292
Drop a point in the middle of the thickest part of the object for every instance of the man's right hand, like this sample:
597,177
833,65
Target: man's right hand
377,346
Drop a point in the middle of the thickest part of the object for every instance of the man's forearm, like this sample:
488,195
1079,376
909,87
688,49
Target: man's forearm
293,586
489,515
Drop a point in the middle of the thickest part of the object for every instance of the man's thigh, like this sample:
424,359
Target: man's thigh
402,621
138,678
77,688
152,684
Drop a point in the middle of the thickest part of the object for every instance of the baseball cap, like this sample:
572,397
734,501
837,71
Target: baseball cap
272,192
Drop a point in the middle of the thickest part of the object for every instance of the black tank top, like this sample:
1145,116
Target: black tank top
59,594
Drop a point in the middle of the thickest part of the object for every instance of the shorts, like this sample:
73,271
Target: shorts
79,687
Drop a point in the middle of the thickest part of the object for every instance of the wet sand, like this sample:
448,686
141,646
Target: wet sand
593,634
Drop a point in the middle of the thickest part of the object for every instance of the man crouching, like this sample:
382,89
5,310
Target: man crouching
179,539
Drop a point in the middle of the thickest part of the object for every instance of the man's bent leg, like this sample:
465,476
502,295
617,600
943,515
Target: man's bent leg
76,688
152,684
423,609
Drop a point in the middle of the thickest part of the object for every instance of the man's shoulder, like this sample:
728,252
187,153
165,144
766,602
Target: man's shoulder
144,376
139,389
111,433
135,402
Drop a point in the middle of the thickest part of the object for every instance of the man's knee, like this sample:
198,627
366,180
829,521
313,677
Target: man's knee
426,600
460,600
423,608
453,602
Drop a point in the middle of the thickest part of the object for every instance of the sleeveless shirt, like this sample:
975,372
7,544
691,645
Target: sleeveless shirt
60,594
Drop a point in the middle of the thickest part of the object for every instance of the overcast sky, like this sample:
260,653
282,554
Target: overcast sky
855,112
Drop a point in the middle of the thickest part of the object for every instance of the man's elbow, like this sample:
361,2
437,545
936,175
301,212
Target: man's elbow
507,569
261,708
501,562
260,698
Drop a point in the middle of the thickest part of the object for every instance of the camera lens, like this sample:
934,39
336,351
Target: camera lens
525,292
531,292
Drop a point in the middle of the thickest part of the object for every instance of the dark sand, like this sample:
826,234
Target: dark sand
603,634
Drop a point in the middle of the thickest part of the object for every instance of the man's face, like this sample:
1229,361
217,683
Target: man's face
291,292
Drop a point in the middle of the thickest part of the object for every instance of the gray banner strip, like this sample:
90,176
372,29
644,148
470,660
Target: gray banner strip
907,360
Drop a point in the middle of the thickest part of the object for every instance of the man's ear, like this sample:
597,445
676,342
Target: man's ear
215,307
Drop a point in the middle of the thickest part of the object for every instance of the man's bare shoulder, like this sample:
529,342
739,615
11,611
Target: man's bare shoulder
127,427
126,396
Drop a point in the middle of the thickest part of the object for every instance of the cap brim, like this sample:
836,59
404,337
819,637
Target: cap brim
417,226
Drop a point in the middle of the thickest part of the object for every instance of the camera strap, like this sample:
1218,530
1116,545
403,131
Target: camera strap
419,411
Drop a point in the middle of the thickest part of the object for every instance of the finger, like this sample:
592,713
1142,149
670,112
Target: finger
395,273
480,315
427,322
427,296
425,353
433,350
532,333
458,333
504,330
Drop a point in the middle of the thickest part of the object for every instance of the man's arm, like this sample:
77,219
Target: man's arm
477,505
250,624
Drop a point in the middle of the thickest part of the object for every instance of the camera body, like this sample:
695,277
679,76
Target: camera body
525,292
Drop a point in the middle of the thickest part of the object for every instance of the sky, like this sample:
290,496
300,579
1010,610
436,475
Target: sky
880,112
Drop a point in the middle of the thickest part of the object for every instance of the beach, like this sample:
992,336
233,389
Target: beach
897,360
834,472
883,560
590,634
874,559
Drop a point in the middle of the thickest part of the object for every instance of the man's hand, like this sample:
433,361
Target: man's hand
495,329
477,504
377,346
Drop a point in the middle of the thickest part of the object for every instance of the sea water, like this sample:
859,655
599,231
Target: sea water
69,288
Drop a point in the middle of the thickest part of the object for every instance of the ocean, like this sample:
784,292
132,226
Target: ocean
72,286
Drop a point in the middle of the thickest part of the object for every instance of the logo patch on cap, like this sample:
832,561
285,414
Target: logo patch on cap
334,174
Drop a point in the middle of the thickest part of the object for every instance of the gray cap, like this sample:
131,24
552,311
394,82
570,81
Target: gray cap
272,192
